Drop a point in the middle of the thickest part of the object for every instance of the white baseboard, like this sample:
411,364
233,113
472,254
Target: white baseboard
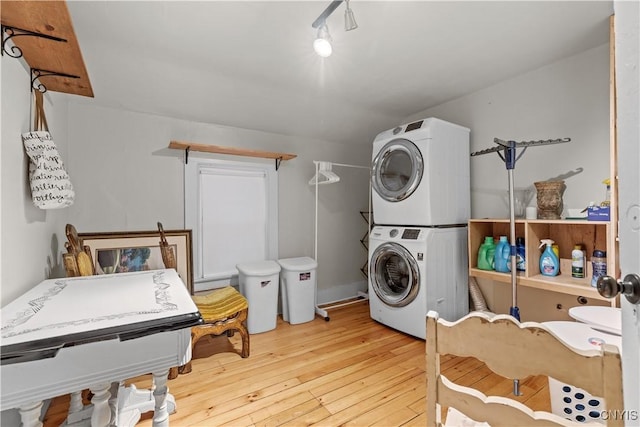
341,292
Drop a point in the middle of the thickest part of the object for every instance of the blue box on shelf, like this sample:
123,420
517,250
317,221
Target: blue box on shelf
598,213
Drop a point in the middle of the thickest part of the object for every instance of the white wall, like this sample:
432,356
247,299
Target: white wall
126,178
569,98
131,180
32,239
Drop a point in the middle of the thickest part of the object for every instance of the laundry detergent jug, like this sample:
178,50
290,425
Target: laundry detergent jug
503,255
486,254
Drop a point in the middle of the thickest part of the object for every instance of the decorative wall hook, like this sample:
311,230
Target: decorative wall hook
9,32
37,73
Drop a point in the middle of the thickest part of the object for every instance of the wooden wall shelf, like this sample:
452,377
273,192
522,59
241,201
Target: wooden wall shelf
206,148
50,18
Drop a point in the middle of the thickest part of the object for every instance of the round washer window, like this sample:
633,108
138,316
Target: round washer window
397,170
394,274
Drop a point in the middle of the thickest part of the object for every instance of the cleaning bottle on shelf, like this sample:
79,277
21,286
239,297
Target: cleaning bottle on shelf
486,254
578,261
491,255
599,263
520,254
549,262
556,250
502,257
607,194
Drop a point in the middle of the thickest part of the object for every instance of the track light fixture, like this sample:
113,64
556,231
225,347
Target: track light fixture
322,43
349,20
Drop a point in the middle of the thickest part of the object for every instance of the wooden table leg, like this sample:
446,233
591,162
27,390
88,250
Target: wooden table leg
30,414
160,414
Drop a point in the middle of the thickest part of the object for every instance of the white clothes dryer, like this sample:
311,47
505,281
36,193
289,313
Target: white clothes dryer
414,270
420,174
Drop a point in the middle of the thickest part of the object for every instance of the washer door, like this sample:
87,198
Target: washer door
397,170
394,274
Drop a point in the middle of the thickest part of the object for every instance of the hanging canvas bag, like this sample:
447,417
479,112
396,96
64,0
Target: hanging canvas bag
51,187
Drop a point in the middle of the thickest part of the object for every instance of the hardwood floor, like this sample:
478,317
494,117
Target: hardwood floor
349,371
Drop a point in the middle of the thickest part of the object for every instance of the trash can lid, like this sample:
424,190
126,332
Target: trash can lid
582,336
258,268
603,318
298,264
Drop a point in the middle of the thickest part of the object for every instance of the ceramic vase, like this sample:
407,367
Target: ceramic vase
549,199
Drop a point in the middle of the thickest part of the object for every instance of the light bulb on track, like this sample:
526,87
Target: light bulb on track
322,43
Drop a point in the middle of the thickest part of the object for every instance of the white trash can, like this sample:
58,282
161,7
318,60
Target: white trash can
259,284
298,283
567,400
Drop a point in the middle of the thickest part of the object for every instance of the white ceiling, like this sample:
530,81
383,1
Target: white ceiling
250,64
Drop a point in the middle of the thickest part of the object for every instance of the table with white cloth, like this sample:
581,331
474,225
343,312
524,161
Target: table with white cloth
69,334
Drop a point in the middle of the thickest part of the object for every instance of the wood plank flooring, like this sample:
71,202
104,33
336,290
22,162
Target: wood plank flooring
349,371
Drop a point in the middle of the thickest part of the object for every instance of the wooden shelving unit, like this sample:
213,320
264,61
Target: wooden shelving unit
50,18
591,234
566,233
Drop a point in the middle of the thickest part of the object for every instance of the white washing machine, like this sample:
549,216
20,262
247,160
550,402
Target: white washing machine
420,174
416,269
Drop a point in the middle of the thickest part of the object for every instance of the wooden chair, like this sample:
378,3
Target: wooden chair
224,310
515,350
78,260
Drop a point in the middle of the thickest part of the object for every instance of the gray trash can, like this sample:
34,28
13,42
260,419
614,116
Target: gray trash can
298,283
259,284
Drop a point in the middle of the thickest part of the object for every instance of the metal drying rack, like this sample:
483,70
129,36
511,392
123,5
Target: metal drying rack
507,152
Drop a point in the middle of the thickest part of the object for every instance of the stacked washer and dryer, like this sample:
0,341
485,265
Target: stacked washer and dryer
421,206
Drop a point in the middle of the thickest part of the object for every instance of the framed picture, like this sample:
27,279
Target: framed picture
119,252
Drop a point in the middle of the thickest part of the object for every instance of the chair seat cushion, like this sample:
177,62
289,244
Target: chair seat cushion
220,303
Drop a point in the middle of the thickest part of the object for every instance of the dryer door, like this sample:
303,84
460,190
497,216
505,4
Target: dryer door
394,273
397,170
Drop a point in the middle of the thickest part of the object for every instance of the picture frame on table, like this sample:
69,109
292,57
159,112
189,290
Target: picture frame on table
120,252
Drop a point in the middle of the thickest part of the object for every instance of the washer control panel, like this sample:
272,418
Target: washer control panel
411,233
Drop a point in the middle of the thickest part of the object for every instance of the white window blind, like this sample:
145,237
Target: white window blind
232,209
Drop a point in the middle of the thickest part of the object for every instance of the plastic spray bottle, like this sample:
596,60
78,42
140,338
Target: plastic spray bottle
549,262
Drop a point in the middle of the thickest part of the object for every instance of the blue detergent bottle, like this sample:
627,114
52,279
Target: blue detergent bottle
549,262
521,262
503,254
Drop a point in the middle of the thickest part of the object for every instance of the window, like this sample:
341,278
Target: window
232,208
